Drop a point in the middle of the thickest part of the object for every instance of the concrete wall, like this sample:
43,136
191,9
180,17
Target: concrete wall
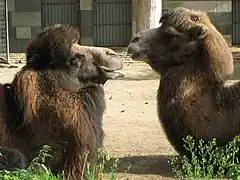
134,15
86,25
24,22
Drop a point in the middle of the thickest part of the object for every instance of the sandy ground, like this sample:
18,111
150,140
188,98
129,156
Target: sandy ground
133,132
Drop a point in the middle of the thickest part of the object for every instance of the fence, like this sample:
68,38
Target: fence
4,37
112,22
235,22
60,12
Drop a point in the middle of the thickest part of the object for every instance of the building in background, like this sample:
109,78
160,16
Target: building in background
108,22
101,22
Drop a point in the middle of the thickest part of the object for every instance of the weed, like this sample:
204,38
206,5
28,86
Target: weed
96,171
207,160
38,170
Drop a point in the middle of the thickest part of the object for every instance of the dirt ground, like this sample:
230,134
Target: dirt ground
133,132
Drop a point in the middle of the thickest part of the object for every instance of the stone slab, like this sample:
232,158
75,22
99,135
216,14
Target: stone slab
26,19
23,32
11,5
85,4
28,5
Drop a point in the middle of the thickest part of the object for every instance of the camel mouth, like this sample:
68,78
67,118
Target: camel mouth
134,56
137,54
110,69
112,73
115,74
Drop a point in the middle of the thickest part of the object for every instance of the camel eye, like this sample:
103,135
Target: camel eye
195,18
76,59
136,39
176,36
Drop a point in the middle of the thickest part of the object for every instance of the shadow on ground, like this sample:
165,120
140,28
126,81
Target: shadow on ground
144,165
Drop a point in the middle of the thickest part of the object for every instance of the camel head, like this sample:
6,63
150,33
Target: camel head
174,42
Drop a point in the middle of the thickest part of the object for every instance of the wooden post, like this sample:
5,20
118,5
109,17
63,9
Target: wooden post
148,14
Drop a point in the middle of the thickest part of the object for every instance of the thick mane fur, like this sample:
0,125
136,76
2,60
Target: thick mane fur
47,45
24,97
221,57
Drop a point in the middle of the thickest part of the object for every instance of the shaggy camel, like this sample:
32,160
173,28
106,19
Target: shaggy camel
57,98
194,62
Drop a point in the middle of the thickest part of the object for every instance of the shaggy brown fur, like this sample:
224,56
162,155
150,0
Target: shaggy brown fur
58,99
192,97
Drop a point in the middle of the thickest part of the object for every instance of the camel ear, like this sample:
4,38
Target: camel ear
34,60
164,18
198,32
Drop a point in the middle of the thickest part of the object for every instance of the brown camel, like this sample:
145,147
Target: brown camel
57,98
194,62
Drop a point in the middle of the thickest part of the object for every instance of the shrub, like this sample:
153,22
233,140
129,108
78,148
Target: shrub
207,160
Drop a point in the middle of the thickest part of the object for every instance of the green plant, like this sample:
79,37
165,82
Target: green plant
38,170
96,171
38,163
207,160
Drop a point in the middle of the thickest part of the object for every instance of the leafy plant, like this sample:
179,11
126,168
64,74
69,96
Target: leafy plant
38,170
96,171
207,160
